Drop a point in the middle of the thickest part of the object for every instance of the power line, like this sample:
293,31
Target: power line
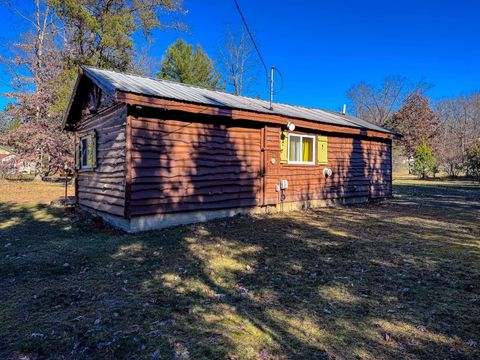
281,78
251,37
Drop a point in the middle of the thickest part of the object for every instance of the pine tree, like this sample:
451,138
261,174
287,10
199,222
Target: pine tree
183,64
101,33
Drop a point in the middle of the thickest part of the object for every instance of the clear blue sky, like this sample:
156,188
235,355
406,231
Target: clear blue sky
323,47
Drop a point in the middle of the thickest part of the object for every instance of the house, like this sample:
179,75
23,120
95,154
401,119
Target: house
6,154
152,153
12,163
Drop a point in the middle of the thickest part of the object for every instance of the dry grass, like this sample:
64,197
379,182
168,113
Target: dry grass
32,192
392,280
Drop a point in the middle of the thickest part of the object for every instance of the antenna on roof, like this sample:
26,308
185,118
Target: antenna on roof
344,109
272,70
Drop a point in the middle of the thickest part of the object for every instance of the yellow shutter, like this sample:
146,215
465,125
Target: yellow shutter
322,150
284,147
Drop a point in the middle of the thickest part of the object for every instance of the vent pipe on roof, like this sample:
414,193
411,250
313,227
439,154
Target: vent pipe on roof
344,109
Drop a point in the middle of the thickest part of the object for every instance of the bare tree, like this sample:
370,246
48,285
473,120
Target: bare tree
377,103
239,65
460,129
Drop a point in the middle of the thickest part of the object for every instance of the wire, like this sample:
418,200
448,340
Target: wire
281,78
258,51
251,37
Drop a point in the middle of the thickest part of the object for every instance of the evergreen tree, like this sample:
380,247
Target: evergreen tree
101,33
7,121
183,63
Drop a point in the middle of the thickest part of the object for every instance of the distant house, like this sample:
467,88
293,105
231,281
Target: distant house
153,153
6,154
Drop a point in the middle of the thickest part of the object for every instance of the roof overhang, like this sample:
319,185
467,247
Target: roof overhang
237,114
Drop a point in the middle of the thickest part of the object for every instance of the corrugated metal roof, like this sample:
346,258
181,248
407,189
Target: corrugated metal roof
112,81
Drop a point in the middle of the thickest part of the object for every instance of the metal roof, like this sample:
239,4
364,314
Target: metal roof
113,81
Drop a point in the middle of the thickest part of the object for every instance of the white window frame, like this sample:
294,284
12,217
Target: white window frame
82,165
314,149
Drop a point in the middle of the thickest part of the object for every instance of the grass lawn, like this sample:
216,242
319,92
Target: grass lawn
32,192
399,279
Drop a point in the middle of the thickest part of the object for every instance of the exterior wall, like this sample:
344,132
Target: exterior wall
361,169
188,162
182,162
103,188
159,168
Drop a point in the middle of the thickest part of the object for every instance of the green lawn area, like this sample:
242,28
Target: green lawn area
397,279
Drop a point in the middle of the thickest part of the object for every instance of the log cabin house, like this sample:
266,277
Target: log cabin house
152,153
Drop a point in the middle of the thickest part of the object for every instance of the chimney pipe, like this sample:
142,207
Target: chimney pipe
344,109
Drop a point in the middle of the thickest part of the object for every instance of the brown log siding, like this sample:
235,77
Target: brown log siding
185,162
103,188
361,168
188,162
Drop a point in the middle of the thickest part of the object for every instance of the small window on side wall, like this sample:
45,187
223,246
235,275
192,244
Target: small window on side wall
86,152
301,149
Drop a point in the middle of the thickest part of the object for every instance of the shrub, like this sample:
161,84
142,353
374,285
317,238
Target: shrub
472,162
424,160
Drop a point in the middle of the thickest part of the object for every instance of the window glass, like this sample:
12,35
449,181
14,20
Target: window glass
295,148
90,154
307,150
84,152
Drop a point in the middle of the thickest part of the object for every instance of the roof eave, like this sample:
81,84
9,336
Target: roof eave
132,98
66,115
82,71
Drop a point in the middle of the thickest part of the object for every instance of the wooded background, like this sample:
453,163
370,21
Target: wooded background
441,136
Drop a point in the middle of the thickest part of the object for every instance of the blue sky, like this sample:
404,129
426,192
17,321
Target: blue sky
323,47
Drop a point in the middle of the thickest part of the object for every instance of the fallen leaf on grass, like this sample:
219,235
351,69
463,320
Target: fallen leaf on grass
472,343
422,328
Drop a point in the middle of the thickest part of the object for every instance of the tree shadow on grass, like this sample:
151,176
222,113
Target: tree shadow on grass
383,281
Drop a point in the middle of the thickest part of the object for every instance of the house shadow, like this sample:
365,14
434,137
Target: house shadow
318,284
194,163
361,172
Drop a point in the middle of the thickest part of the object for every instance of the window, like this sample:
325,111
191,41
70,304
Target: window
86,153
301,149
